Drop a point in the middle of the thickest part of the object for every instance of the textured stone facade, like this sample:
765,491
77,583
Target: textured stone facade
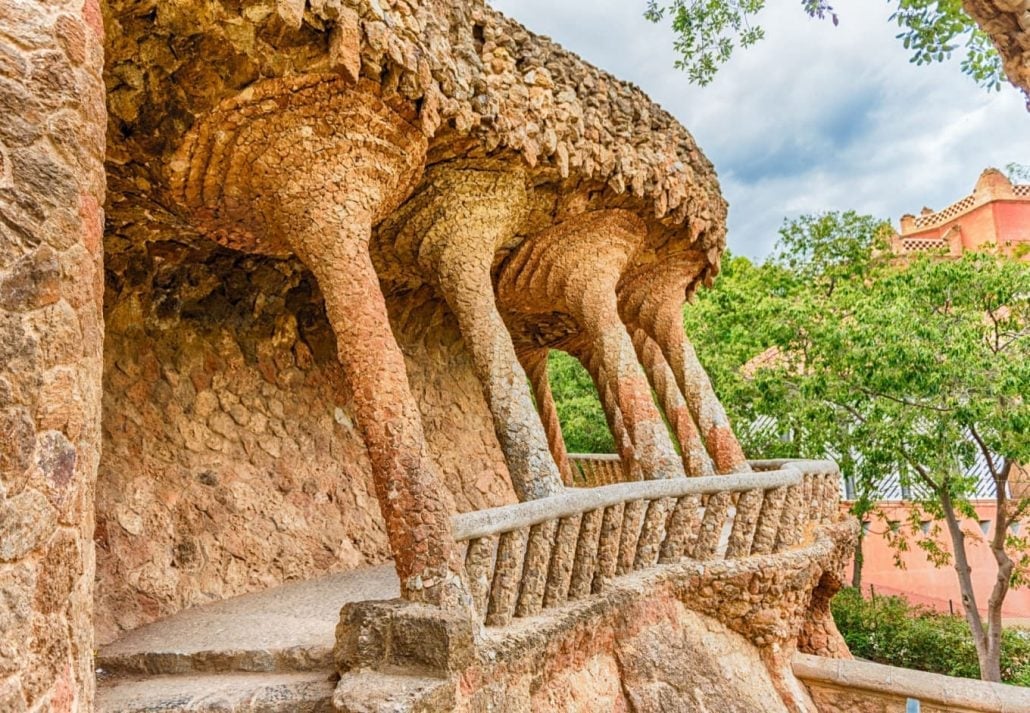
1007,22
51,337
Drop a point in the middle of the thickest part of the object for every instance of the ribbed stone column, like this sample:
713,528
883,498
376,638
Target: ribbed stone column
535,365
651,298
463,213
629,464
308,166
696,460
574,268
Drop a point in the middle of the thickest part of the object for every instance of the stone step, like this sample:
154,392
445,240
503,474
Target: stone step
364,691
307,692
276,659
289,628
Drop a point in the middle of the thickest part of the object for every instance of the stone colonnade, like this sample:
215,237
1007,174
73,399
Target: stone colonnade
312,165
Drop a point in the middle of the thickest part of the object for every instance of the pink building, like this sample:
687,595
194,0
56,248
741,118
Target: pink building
995,214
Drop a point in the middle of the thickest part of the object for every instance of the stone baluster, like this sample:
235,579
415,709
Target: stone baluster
559,575
716,510
504,591
585,563
608,547
831,501
769,521
534,573
479,568
813,493
632,521
793,519
683,526
745,524
652,533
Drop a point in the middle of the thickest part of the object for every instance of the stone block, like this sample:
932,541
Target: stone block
431,638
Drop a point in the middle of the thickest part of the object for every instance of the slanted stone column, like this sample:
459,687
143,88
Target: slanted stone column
462,215
651,298
696,460
610,405
535,364
52,185
574,268
309,166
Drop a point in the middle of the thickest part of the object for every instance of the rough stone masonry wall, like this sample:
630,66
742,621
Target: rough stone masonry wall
51,333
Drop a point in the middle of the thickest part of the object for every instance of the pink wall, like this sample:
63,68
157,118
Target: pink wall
1012,219
921,582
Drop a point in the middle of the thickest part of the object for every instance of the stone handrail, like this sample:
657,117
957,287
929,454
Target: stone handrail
539,554
843,684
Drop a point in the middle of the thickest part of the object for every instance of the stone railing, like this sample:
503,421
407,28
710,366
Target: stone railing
523,558
592,469
852,685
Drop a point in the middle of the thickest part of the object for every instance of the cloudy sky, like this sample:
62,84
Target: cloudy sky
814,117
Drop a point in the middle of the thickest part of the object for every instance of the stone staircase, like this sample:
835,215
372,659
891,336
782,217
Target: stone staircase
264,652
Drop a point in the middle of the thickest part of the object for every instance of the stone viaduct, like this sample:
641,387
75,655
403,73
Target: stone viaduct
278,281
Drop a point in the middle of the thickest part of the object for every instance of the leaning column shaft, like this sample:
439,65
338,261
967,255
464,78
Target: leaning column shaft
473,212
406,482
535,365
708,412
618,373
519,430
696,460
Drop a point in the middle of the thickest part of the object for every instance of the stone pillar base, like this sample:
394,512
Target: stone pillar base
398,635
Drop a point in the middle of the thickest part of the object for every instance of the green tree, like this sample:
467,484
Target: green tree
579,410
708,31
912,369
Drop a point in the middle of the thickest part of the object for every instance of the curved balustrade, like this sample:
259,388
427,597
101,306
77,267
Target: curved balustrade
539,554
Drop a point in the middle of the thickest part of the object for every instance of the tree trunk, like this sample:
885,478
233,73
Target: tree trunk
1003,577
988,656
859,560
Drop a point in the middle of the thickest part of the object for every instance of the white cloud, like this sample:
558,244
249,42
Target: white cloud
814,117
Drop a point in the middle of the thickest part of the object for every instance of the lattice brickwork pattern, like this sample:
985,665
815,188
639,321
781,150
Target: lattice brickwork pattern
943,216
912,245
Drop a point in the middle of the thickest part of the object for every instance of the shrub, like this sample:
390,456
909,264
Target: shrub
891,631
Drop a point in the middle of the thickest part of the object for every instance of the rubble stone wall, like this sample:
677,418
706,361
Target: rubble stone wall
52,123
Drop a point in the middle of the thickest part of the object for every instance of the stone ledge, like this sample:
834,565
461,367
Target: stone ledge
944,693
219,693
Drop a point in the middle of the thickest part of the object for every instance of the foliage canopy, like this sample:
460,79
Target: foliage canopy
708,31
